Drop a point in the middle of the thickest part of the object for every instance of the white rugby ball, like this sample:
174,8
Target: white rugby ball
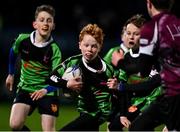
72,72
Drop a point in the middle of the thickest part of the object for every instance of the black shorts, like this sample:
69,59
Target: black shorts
164,110
46,105
84,122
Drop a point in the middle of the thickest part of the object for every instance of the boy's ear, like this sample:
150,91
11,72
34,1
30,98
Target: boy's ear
79,45
34,25
149,3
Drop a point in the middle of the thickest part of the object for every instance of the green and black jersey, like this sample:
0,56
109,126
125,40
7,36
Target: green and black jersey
95,97
36,62
142,90
108,56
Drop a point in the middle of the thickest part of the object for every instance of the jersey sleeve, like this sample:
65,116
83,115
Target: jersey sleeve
14,51
17,42
149,38
146,87
12,60
108,56
55,78
56,56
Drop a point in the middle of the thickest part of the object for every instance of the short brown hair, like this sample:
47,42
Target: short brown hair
138,20
47,8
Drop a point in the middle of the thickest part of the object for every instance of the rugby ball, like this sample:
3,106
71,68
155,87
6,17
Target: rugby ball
72,72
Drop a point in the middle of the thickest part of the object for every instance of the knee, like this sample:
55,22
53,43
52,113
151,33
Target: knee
15,124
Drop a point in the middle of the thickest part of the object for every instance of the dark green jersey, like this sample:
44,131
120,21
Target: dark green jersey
144,101
95,97
129,68
36,62
108,56
140,97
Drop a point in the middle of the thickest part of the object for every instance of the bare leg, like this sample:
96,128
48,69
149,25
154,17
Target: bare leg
48,122
19,112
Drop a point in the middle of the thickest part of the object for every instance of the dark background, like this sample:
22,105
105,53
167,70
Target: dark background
73,14
16,17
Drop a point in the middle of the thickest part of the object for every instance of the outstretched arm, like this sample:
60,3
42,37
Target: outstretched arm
55,82
144,87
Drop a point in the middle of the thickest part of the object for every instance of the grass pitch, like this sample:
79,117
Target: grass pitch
66,114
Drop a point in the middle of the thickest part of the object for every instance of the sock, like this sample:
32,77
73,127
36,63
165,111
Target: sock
24,128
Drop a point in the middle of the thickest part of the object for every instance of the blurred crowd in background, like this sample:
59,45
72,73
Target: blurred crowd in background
16,16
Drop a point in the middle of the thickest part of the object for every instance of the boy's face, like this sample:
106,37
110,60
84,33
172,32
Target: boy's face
131,36
89,47
44,24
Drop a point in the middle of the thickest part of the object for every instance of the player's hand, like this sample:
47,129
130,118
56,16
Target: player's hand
165,129
10,82
124,120
75,84
117,56
38,94
112,83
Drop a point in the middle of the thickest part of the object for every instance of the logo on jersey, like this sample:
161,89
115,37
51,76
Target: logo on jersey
25,51
132,108
46,59
174,31
54,78
54,108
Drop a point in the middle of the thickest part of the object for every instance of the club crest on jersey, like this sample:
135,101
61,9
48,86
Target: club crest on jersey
25,51
46,59
54,107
